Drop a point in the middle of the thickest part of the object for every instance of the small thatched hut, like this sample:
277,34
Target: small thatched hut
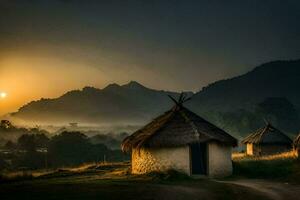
267,141
180,140
297,145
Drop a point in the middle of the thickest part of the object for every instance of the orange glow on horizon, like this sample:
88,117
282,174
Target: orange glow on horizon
28,78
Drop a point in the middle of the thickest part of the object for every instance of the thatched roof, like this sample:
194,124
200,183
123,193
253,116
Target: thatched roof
176,127
297,141
268,135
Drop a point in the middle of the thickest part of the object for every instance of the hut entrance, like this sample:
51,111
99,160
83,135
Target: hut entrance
198,158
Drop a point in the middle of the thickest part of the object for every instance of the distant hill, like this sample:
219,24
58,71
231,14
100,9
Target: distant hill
127,103
241,104
273,79
225,103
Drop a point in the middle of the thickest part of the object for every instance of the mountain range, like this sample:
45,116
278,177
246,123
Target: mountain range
129,103
135,103
273,79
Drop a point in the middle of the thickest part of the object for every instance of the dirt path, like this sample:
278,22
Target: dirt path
167,192
272,190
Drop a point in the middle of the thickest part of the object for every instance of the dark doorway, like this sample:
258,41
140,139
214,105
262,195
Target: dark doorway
199,158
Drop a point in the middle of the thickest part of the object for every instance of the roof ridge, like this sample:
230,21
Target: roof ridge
194,127
156,131
178,126
223,135
264,131
253,135
258,135
136,133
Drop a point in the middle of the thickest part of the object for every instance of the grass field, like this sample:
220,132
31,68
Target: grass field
253,178
281,167
116,183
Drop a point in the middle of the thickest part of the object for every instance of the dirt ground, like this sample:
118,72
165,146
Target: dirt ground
202,190
116,184
270,189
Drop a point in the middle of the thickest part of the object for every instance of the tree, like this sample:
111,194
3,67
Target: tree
5,124
69,148
32,158
9,145
30,142
3,164
27,142
240,122
41,140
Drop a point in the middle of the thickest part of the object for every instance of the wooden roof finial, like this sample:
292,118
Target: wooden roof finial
181,99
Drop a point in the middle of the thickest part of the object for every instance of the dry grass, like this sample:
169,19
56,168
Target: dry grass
283,166
110,169
280,156
23,175
87,166
16,176
237,155
81,167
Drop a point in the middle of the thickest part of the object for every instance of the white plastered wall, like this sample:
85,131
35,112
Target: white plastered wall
178,158
160,159
219,160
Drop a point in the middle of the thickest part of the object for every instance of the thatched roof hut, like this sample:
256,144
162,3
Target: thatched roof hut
267,140
175,130
176,127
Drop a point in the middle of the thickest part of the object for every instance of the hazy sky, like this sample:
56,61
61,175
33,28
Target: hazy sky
48,47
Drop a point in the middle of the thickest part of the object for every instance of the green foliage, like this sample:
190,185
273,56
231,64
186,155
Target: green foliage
34,151
24,154
286,169
279,111
10,132
5,124
29,160
30,142
69,148
11,146
241,122
27,142
3,164
111,140
73,148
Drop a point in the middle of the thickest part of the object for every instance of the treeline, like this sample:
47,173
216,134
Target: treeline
10,132
35,151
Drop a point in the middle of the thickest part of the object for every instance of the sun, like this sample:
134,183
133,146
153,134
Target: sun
3,95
